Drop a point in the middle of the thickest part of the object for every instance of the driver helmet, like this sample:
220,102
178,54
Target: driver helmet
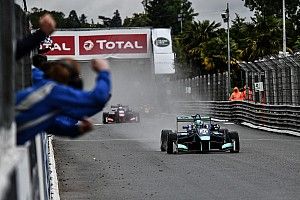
198,122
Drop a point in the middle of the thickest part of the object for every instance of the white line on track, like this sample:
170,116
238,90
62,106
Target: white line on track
228,123
266,139
98,124
109,140
271,129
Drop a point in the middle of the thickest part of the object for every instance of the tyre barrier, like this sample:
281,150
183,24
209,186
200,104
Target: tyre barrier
282,117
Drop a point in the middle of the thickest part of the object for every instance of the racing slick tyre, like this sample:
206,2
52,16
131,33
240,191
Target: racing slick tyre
172,137
234,137
104,117
163,139
226,134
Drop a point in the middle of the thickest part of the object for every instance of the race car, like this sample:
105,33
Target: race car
198,134
120,114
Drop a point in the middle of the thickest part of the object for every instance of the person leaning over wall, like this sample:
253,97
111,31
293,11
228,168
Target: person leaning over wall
32,41
38,106
62,125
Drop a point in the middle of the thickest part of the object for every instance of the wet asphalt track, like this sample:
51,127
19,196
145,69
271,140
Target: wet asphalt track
123,161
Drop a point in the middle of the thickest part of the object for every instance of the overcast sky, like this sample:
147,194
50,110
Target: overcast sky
207,9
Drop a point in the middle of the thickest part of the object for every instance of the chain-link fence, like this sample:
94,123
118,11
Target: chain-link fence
211,87
270,81
279,77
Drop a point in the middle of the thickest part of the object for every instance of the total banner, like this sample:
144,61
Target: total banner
86,45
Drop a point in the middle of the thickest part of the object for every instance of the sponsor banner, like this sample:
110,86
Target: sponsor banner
113,44
161,41
60,45
86,45
164,63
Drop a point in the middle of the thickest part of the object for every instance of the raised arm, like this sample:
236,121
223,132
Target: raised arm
32,41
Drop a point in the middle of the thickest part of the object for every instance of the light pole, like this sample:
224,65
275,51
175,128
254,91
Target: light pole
284,31
180,18
226,19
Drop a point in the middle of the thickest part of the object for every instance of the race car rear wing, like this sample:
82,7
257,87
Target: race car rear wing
185,119
192,118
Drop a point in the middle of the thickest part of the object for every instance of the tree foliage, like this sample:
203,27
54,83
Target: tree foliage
165,14
116,20
138,20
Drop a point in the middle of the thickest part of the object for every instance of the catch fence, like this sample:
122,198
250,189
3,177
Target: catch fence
274,81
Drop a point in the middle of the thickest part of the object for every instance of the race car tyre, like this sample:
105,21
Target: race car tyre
234,137
172,137
163,139
226,135
104,117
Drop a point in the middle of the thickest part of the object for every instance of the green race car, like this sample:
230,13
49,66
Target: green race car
198,134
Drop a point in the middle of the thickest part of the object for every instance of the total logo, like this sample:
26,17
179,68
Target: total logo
104,44
88,45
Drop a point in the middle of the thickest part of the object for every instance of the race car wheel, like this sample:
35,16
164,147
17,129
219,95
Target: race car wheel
163,139
104,117
226,135
172,137
234,137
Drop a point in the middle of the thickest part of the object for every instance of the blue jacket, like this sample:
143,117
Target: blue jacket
62,125
38,106
37,75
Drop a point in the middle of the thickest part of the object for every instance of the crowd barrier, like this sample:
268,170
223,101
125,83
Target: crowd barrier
283,117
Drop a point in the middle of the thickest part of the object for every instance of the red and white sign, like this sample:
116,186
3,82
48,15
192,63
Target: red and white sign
113,44
86,45
61,45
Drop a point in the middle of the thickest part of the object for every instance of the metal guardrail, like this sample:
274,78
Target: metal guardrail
284,117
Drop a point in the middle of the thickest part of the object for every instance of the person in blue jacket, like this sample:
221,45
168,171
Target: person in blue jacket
38,106
62,125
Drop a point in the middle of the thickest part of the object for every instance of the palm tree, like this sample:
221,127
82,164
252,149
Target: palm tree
199,42
265,39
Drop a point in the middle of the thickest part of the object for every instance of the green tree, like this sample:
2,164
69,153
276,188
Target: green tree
116,20
264,40
105,21
203,46
138,20
36,13
83,21
73,20
165,13
273,7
